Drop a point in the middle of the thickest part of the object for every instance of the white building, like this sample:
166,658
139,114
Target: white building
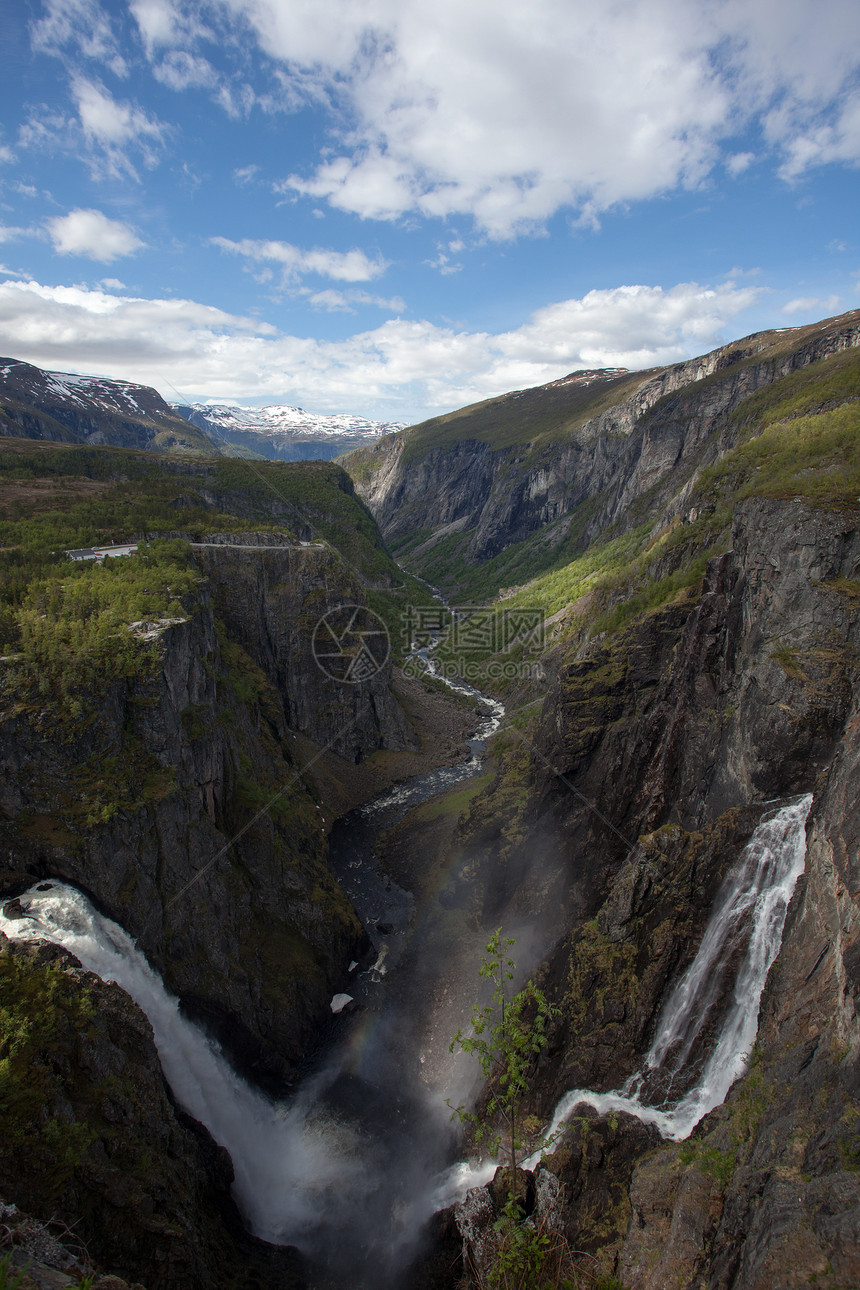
102,552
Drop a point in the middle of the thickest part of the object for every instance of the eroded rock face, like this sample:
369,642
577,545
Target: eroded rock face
477,1216
91,1135
704,706
153,804
679,731
270,602
653,439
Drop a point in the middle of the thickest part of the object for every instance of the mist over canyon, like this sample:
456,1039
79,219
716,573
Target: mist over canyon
251,861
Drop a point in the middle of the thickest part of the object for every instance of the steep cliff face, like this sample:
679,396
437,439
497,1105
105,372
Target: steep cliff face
500,474
90,1132
139,804
768,1193
270,601
657,751
153,801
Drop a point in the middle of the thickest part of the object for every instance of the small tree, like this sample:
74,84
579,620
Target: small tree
508,1034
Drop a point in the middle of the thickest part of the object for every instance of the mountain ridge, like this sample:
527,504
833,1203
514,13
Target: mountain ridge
549,471
285,432
62,406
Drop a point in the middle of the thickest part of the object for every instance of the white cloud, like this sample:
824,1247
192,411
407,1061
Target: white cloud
346,301
346,266
494,109
509,112
180,70
82,25
91,234
815,306
401,369
738,162
162,23
443,263
245,174
110,128
830,138
112,284
8,232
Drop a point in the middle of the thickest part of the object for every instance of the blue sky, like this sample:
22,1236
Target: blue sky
396,207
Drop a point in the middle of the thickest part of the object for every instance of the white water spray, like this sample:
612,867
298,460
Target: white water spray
289,1164
295,1163
751,909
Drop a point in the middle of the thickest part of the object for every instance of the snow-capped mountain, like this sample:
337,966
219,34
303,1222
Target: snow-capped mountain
285,432
37,404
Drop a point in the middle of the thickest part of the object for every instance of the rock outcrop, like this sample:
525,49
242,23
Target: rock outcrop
270,601
90,1132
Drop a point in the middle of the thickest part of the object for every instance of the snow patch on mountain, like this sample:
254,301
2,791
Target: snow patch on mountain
284,421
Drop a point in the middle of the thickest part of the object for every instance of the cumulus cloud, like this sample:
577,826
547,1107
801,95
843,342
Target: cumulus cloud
503,112
829,138
107,132
346,266
738,162
509,113
163,24
403,369
91,234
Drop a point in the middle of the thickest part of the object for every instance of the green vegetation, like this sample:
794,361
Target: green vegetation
41,1008
12,1279
534,418
815,388
748,1102
452,804
508,1035
71,628
67,622
816,457
599,968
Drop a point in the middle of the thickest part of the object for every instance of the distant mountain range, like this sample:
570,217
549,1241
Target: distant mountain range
59,406
283,432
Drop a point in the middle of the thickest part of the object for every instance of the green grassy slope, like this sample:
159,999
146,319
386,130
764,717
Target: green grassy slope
65,617
800,438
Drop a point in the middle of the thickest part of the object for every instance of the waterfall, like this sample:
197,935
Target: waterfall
288,1163
746,925
300,1167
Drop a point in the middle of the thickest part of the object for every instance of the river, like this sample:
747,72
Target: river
352,1165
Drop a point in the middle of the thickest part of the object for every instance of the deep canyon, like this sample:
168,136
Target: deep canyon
297,876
